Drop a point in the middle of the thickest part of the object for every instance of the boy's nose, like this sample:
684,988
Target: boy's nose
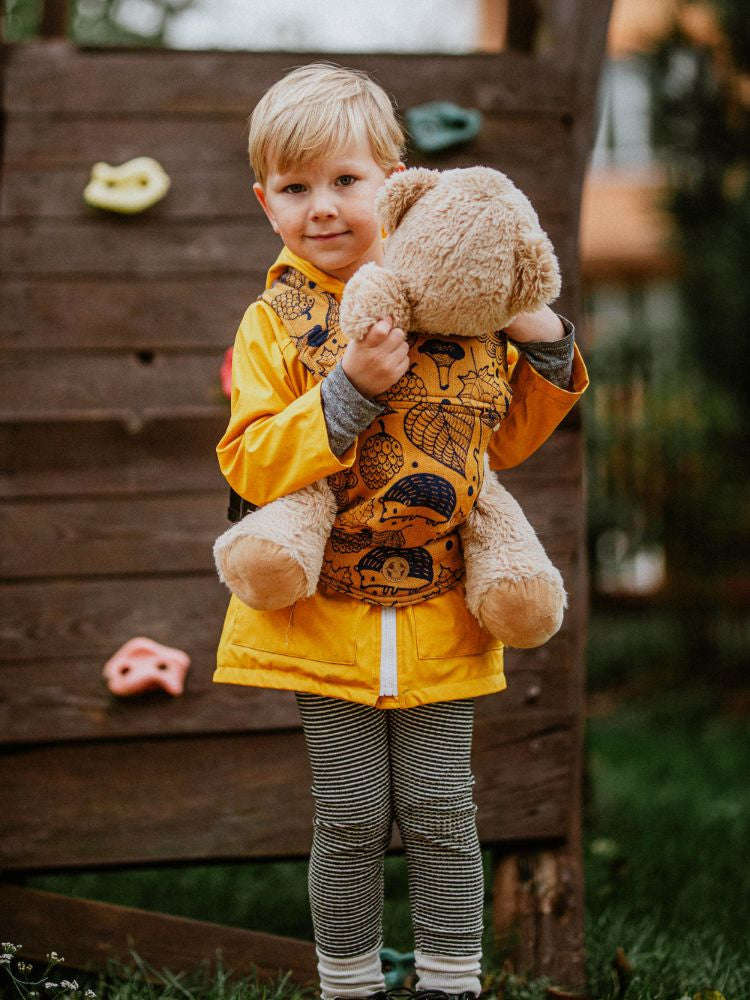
323,207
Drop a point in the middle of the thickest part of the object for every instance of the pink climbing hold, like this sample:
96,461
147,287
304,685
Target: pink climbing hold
225,373
143,665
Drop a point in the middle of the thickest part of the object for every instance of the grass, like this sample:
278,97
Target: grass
667,828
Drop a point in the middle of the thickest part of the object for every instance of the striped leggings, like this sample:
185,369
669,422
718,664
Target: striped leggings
371,766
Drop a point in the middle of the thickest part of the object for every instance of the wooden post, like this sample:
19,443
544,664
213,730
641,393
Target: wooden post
55,16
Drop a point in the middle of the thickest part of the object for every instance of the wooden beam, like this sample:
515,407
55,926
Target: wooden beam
88,933
55,19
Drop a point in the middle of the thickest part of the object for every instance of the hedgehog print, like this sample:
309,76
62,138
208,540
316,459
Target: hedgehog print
389,570
423,495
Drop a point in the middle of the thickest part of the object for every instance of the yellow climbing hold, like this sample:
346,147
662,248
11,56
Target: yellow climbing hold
128,189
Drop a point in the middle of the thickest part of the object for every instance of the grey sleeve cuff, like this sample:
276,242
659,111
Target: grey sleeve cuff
553,360
346,411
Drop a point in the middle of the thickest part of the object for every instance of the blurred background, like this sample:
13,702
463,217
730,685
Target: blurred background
665,249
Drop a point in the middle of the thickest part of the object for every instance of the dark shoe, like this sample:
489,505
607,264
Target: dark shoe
442,995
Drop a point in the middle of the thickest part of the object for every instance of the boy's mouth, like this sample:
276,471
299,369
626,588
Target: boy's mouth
323,237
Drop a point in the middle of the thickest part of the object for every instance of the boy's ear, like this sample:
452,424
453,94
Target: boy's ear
537,273
260,194
400,191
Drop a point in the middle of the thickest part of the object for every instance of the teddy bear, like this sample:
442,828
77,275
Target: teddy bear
420,511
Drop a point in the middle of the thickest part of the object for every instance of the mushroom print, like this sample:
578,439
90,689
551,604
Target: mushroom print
444,353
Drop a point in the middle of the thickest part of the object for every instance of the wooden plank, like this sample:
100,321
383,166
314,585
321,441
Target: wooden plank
172,456
51,139
66,460
123,387
137,245
195,192
63,619
89,933
48,161
239,796
216,191
66,699
57,77
126,313
170,533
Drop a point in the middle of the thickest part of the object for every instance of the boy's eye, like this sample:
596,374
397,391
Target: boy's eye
346,179
294,188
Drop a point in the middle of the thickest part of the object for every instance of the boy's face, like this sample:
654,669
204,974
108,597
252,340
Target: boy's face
325,211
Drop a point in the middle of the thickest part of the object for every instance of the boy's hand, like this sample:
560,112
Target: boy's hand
378,361
542,325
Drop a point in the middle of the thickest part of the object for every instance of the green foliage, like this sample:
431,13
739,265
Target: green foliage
22,19
95,22
701,125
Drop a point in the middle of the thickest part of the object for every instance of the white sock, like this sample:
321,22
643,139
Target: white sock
350,977
449,973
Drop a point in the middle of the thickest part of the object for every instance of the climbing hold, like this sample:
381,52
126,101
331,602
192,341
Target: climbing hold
397,966
143,665
225,373
128,189
440,124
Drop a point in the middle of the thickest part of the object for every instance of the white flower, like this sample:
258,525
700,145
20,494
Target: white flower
5,959
7,946
50,985
90,995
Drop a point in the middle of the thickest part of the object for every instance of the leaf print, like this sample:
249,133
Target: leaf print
479,385
358,515
448,578
441,431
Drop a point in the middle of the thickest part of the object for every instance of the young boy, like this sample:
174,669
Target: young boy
322,141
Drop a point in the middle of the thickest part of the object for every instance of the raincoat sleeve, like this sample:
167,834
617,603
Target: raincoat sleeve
276,441
537,407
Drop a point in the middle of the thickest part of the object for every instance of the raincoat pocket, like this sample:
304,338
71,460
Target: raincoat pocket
446,629
305,630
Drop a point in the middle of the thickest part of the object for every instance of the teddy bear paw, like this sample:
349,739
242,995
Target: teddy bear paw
262,574
523,613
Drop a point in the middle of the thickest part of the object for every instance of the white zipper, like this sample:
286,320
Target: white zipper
388,653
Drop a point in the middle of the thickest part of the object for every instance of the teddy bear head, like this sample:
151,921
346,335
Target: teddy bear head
466,248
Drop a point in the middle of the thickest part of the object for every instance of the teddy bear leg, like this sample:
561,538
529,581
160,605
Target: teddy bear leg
512,588
273,556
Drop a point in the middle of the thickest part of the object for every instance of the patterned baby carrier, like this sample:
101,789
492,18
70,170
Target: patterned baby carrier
419,466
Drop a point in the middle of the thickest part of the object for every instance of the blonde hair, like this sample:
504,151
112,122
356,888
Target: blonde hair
314,111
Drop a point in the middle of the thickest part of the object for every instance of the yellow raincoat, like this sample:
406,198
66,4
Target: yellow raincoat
332,644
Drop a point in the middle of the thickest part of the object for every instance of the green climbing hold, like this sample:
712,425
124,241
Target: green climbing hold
440,124
397,966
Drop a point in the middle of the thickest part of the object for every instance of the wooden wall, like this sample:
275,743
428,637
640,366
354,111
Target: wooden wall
110,408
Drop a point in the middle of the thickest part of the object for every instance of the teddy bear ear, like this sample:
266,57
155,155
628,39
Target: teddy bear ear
537,273
400,192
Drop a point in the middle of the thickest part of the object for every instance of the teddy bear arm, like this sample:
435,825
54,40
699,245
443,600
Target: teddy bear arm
272,557
512,587
371,294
